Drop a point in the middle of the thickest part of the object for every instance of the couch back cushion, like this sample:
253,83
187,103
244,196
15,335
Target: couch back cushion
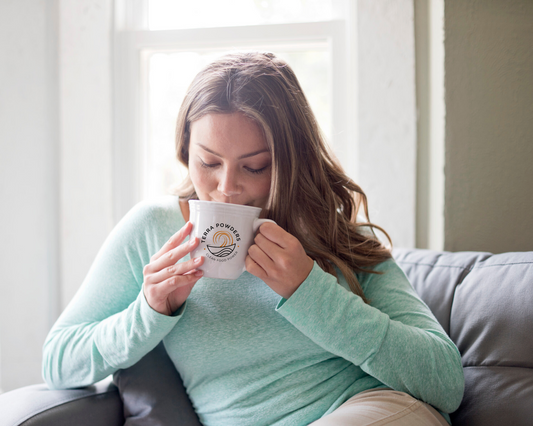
485,304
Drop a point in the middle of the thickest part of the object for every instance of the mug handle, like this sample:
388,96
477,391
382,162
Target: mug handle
257,223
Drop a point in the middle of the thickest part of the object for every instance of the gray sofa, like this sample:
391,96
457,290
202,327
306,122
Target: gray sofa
483,301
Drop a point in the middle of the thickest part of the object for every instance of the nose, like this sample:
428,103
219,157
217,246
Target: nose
229,184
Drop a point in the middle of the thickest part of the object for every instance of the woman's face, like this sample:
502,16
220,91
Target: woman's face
229,161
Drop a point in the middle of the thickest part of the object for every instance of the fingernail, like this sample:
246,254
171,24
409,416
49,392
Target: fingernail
199,273
197,259
192,241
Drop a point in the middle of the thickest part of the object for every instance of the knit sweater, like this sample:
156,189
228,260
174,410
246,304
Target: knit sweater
247,356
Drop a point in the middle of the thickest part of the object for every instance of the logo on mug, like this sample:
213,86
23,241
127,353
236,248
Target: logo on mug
225,245
223,241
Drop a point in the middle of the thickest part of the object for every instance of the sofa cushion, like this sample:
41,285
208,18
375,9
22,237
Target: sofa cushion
492,313
485,303
153,393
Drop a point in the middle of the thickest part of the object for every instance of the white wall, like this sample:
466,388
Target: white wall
387,115
55,166
85,58
29,186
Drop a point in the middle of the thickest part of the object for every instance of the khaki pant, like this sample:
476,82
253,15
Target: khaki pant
379,407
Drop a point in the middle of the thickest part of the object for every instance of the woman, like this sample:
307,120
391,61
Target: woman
323,327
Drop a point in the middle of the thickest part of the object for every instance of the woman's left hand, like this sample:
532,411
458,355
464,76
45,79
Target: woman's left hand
279,259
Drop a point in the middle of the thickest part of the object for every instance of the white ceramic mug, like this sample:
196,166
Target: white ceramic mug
226,232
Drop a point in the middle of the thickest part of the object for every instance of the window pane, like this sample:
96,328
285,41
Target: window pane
169,77
172,14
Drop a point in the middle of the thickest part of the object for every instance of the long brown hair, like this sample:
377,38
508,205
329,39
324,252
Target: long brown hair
310,195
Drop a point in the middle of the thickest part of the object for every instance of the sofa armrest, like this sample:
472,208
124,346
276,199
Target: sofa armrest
37,405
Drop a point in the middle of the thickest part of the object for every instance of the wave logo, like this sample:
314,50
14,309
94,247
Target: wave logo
224,244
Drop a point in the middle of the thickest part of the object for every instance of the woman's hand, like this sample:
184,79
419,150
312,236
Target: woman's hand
167,284
279,259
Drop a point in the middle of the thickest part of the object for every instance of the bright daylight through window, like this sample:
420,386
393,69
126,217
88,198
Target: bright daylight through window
172,15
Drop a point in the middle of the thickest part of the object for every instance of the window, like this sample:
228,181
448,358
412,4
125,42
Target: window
172,15
160,45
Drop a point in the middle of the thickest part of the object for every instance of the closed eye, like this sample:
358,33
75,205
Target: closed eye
257,171
249,169
204,164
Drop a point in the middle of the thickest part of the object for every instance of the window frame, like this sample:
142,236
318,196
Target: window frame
132,39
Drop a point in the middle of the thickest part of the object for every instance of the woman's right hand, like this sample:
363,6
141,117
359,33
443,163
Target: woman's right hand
167,284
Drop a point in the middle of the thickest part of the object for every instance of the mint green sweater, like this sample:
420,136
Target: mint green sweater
246,355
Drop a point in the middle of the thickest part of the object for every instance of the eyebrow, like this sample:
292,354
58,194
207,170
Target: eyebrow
251,154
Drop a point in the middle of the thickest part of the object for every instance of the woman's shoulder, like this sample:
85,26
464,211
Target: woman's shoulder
162,205
158,208
155,213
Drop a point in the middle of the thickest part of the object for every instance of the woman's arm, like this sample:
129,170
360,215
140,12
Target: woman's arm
109,325
395,338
